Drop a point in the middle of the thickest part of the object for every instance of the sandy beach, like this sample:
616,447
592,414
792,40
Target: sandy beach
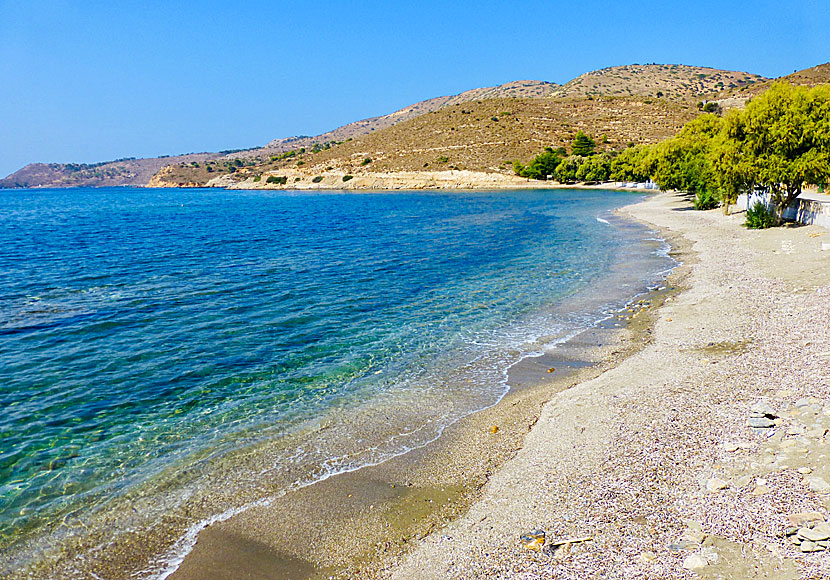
692,439
654,460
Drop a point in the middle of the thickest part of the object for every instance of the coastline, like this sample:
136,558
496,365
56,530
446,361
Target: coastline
653,460
354,524
361,180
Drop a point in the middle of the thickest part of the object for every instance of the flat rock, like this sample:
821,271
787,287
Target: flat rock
697,536
762,408
816,534
716,484
695,562
801,518
808,546
760,490
760,422
818,484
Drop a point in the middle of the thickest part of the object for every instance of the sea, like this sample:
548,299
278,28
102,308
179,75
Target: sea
199,351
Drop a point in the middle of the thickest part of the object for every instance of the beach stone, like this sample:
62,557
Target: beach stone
802,403
648,557
762,409
731,447
760,490
695,562
695,536
818,484
716,484
801,518
805,470
534,540
816,534
808,546
760,422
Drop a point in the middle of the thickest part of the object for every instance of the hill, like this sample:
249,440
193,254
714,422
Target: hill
671,81
106,174
481,129
816,75
518,89
483,135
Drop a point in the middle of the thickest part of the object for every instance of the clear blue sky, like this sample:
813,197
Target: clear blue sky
86,81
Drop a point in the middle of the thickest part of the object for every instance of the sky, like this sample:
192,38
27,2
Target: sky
87,81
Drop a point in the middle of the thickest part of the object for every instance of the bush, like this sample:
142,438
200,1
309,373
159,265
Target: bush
442,159
280,179
317,179
759,217
347,178
257,178
366,161
705,200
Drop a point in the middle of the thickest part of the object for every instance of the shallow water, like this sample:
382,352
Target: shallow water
146,334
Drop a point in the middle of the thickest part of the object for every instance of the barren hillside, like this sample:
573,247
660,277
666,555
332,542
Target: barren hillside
483,135
518,89
670,81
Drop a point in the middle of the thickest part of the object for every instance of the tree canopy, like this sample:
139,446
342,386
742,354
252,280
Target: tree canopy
582,145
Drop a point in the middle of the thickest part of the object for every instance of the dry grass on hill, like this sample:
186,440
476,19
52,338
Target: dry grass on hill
485,135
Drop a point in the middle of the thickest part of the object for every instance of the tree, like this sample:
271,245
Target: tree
784,136
632,164
568,167
582,145
683,162
594,168
542,166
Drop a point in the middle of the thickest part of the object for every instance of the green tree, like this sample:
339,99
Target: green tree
582,145
567,169
784,137
683,162
542,166
632,164
595,168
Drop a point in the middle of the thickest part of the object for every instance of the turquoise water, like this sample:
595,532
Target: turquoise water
146,330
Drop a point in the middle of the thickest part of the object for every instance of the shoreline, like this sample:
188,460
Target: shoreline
654,460
353,524
457,179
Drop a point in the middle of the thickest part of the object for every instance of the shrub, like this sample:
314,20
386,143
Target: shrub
257,178
705,200
366,161
300,163
280,179
442,159
759,217
347,178
317,179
